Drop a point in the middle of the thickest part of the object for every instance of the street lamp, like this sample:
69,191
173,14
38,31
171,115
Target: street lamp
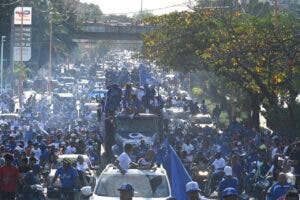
1,67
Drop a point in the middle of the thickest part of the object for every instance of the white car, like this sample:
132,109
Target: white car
148,184
202,120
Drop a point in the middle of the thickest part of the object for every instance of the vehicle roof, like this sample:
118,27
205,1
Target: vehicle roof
10,115
64,95
111,169
140,115
72,156
201,115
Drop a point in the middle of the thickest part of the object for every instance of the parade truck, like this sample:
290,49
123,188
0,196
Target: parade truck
143,128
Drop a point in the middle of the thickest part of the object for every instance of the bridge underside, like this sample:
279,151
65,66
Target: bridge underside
108,36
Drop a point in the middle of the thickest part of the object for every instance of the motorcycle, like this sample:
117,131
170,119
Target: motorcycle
201,177
33,192
260,188
211,186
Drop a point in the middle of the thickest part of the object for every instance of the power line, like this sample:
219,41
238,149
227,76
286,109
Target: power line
9,4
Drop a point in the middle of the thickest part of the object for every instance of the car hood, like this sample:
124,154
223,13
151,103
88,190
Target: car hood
95,197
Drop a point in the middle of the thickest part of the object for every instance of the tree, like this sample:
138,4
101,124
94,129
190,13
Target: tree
244,49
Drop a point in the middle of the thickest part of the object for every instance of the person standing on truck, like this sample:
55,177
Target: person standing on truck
124,162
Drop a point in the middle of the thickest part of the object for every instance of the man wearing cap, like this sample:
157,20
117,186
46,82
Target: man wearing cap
193,191
126,191
230,194
228,181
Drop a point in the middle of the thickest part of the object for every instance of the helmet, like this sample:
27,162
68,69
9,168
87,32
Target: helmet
230,192
67,161
36,168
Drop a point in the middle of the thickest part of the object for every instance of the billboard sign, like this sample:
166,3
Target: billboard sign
26,54
26,14
22,44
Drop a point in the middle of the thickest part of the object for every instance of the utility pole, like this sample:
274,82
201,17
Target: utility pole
141,7
50,56
2,43
276,10
21,58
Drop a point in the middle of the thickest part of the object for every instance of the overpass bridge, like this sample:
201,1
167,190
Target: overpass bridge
104,31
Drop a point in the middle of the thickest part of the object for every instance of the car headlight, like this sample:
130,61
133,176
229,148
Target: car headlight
203,173
291,178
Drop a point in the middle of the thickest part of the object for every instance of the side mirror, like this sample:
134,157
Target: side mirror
86,191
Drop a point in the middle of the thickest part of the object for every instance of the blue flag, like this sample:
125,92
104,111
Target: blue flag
177,173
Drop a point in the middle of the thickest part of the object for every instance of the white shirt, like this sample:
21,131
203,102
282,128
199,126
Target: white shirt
70,150
188,148
274,151
124,161
37,154
82,167
144,162
218,164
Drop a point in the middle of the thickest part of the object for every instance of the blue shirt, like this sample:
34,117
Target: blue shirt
278,190
228,182
28,136
67,177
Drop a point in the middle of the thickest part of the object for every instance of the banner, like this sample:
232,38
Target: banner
177,173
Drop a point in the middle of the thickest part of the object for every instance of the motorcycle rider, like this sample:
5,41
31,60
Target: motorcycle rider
280,188
218,164
193,191
228,181
31,178
82,167
68,178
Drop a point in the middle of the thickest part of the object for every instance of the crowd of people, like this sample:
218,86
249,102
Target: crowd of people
239,158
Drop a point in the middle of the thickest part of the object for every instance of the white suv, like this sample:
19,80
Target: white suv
148,184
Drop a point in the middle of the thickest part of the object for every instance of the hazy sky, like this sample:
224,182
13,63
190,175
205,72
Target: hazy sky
129,6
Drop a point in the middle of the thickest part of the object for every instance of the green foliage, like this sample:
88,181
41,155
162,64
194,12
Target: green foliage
244,52
197,91
89,13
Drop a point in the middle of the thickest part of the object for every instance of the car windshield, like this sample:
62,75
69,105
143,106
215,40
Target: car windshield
128,125
203,120
147,186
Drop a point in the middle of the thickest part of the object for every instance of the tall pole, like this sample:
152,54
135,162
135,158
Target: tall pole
2,43
276,10
141,6
21,58
21,41
50,57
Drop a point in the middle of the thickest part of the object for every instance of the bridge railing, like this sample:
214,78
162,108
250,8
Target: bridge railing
117,28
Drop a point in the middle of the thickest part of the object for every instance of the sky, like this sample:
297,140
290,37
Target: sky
132,6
